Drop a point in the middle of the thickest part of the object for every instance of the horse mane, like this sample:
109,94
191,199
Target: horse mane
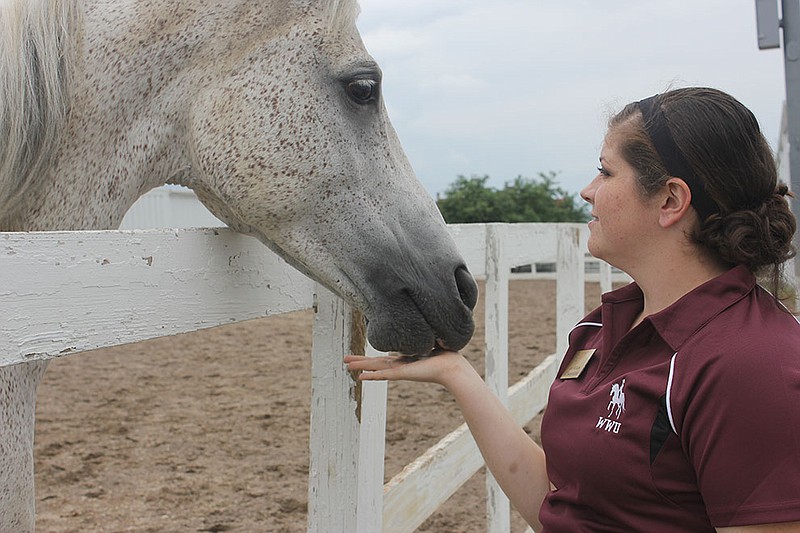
39,46
341,14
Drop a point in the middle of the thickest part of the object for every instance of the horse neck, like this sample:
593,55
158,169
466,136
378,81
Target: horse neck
143,64
121,136
89,186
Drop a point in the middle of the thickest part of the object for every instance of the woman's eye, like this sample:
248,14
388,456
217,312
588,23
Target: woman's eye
603,171
362,91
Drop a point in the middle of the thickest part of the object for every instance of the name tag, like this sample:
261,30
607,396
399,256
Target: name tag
578,363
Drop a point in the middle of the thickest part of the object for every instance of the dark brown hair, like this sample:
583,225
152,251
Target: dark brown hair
722,142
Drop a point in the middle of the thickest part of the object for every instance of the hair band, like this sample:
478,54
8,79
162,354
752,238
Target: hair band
656,127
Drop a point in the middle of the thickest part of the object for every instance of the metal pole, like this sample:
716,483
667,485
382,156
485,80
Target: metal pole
791,54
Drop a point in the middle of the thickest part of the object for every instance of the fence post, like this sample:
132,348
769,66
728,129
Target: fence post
348,420
498,509
372,447
570,281
333,447
606,280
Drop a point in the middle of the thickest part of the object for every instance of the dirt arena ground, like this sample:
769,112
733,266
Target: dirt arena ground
208,432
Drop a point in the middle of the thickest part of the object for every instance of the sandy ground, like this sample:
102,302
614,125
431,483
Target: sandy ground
208,431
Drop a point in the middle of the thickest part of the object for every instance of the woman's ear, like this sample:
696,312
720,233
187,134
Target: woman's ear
676,202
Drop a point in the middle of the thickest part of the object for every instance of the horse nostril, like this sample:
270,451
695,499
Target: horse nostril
467,288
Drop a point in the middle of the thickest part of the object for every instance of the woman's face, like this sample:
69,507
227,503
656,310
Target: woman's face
623,221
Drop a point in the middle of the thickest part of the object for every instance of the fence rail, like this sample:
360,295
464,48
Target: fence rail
67,292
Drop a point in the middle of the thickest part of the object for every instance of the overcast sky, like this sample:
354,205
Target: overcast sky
517,87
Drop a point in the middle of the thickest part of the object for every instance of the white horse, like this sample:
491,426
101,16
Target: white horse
270,110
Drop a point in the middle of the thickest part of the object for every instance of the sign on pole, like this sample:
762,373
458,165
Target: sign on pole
768,24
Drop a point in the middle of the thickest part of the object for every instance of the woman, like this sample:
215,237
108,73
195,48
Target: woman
677,404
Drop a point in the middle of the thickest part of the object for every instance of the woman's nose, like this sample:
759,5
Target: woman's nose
587,193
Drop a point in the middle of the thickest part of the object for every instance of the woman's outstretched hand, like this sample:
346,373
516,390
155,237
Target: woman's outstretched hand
437,368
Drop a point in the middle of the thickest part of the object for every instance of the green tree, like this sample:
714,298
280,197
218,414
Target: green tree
469,200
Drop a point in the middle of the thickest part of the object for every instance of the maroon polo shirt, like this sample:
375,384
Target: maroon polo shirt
689,421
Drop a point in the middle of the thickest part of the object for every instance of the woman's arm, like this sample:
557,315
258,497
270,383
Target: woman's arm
516,462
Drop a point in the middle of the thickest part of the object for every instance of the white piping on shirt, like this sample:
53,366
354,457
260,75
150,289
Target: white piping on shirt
669,392
787,310
596,324
797,319
579,324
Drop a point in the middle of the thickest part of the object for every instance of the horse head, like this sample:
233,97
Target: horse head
271,111
290,142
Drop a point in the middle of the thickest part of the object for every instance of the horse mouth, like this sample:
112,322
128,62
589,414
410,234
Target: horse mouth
410,329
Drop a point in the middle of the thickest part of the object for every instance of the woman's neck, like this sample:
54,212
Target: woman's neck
666,280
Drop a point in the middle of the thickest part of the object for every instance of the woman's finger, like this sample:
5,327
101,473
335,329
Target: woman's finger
432,369
360,362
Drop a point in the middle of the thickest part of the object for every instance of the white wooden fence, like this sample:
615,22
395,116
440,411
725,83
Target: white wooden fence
67,292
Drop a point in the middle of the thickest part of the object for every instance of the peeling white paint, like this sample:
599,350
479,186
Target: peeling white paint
65,292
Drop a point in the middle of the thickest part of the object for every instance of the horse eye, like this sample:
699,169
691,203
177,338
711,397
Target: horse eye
363,91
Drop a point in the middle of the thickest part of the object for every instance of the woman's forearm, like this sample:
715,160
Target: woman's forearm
514,459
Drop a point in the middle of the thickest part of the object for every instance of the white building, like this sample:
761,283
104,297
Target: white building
169,206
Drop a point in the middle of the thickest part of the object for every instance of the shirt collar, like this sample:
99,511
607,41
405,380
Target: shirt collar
678,322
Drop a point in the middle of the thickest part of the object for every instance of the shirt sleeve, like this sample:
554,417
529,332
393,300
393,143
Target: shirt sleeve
736,410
